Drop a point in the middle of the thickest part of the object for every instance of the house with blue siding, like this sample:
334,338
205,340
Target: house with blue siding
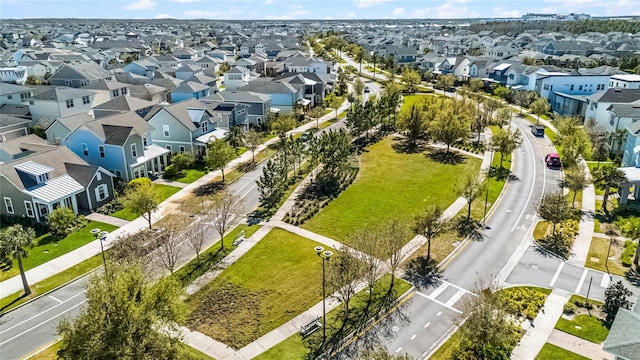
119,143
189,90
284,95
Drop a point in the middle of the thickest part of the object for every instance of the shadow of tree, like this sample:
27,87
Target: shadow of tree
633,275
209,189
407,146
10,304
445,157
423,272
468,228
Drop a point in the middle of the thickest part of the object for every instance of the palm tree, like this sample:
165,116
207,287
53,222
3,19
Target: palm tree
360,56
607,177
617,139
14,242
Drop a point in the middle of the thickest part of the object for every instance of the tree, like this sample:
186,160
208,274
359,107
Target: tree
414,123
430,224
253,139
171,241
316,113
126,317
411,78
505,142
223,207
360,55
488,330
574,139
502,114
476,84
334,103
576,179
344,272
381,353
181,162
32,80
219,154
141,197
235,137
554,209
631,228
282,124
272,182
452,122
196,237
366,241
446,81
224,67
539,107
607,177
62,221
470,189
502,92
358,88
393,235
615,297
15,242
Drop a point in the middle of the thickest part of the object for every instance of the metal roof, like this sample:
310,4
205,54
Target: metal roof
56,189
33,168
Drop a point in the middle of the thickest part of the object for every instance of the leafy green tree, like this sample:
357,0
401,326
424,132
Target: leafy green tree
141,197
235,137
470,188
219,154
574,139
411,78
15,242
607,177
272,182
615,297
502,114
539,107
316,113
476,84
381,353
252,140
446,81
554,209
501,92
223,206
453,122
505,142
282,124
224,67
182,161
358,88
126,317
334,103
360,54
414,123
631,228
430,224
62,221
576,179
345,270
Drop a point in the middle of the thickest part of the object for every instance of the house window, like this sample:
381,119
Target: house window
571,88
31,102
115,92
546,86
580,88
168,147
68,83
118,173
611,118
123,91
84,83
28,206
85,149
134,151
8,205
85,100
144,141
69,103
99,176
9,97
102,192
181,149
205,126
165,129
101,149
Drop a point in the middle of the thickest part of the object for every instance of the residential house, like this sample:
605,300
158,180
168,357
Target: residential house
599,106
165,60
13,74
185,53
144,67
119,143
107,90
14,94
63,126
246,63
626,116
625,81
59,102
188,71
153,93
623,340
189,90
285,97
259,105
79,75
37,182
122,104
210,65
236,77
314,87
12,127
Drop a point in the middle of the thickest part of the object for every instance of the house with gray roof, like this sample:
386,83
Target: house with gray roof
12,127
107,90
40,178
284,96
14,94
63,126
623,340
189,90
259,105
122,104
79,75
59,102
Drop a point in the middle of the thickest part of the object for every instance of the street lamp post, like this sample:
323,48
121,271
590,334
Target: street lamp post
102,236
324,255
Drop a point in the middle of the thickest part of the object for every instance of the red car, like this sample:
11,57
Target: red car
553,160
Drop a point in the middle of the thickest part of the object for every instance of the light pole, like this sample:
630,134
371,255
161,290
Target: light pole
324,255
102,236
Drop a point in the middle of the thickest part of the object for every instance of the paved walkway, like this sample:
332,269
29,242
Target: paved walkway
170,183
578,345
171,205
542,326
581,244
112,220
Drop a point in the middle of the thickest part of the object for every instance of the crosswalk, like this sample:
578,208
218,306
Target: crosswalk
446,294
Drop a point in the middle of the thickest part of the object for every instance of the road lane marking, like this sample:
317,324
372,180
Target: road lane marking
400,348
524,208
439,302
455,297
439,312
426,325
439,290
584,276
555,276
413,337
42,323
58,300
605,280
36,315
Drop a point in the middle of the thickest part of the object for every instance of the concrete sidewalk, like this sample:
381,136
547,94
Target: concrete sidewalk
542,326
582,243
578,345
107,219
170,205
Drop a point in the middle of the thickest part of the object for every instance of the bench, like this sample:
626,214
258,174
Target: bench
239,239
311,327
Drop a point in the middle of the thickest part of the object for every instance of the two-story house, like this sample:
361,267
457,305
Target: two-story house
236,77
189,90
14,94
107,90
259,104
188,71
599,106
119,143
314,87
142,67
625,81
42,178
12,127
285,97
79,75
59,102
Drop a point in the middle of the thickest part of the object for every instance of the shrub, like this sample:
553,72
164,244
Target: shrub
523,301
627,254
62,221
171,171
569,308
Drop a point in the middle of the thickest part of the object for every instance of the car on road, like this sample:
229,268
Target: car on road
537,130
367,90
305,136
553,160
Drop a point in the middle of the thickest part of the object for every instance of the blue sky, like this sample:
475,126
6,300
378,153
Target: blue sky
308,9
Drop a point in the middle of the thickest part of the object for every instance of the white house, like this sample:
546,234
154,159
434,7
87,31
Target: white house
625,81
17,74
236,77
59,102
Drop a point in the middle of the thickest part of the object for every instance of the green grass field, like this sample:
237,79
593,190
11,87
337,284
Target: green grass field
164,192
186,353
48,248
190,175
390,184
552,352
598,250
409,100
276,280
585,327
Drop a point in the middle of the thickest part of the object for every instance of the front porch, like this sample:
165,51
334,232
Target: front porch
55,193
153,162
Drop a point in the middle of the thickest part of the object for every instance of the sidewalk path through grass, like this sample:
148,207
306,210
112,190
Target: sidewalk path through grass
578,345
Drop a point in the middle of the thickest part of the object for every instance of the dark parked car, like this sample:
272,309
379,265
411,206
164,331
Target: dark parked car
553,160
537,130
367,90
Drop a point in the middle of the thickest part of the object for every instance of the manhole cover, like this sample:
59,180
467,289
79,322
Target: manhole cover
395,329
534,267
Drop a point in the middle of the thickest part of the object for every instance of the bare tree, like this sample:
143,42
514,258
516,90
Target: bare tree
366,241
470,189
344,272
171,241
393,236
197,237
223,206
430,224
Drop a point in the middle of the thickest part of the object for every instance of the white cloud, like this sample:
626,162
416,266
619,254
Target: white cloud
398,11
449,10
422,13
231,13
268,2
141,5
368,3
164,16
185,1
295,12
504,12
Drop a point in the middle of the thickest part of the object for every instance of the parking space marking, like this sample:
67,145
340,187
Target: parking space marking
555,277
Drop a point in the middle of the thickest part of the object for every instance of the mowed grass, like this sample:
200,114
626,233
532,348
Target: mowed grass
164,192
552,352
186,352
49,247
598,250
390,185
275,281
585,327
197,171
410,100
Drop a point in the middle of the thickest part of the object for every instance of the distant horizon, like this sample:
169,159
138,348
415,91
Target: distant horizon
248,10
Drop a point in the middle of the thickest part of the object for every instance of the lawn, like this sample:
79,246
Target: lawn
541,229
552,352
390,184
409,100
598,250
445,350
585,327
197,171
275,281
164,192
186,353
50,247
297,348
